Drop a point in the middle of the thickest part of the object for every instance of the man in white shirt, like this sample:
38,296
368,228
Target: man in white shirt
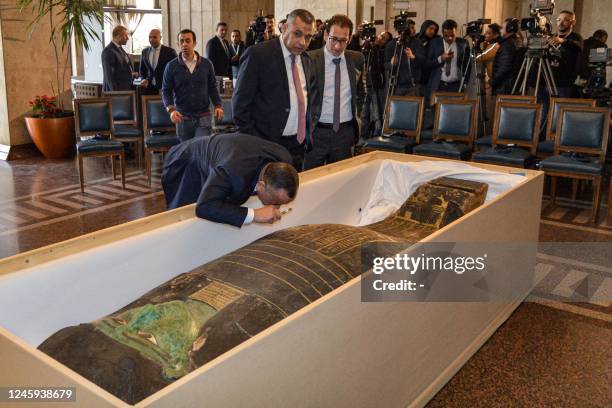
271,98
153,61
337,91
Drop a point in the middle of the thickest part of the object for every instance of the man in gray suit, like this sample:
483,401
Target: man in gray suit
117,64
337,91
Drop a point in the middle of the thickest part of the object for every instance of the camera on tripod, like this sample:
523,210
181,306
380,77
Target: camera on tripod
599,59
539,26
402,21
368,30
474,29
259,27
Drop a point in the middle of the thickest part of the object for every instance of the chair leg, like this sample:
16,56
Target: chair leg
122,164
575,183
112,159
149,159
609,220
80,159
553,190
139,153
596,198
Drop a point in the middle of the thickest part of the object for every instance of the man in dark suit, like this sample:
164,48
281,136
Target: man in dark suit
153,61
221,172
218,52
271,98
236,50
448,59
117,67
336,90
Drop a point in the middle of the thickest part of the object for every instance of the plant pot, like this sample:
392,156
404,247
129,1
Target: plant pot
54,137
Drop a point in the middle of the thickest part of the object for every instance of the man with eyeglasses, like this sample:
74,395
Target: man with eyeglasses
336,89
271,98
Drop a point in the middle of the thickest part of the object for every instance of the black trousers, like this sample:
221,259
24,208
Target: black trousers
329,146
295,149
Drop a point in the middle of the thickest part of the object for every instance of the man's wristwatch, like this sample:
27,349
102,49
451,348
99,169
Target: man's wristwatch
170,109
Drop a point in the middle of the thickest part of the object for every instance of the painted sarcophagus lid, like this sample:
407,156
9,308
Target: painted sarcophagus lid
199,315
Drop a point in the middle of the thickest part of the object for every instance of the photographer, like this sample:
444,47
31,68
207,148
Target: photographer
407,51
372,112
569,44
507,59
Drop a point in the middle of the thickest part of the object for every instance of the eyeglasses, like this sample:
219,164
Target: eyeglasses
336,40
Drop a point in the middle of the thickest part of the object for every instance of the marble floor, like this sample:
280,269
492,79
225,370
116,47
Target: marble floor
553,350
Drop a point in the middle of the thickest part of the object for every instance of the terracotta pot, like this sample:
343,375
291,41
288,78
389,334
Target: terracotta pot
54,137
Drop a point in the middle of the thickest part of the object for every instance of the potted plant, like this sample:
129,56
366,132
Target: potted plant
51,125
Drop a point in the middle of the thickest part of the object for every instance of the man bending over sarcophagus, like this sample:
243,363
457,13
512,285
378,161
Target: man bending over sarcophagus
221,172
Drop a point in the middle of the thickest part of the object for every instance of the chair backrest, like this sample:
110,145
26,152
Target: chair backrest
124,106
456,120
438,96
93,116
155,115
583,130
405,115
517,123
228,117
553,112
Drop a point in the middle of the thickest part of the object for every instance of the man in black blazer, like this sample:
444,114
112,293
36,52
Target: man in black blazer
336,91
221,172
153,61
236,50
117,68
218,52
448,59
271,98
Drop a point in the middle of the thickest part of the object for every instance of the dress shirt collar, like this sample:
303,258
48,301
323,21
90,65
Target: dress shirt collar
329,56
286,52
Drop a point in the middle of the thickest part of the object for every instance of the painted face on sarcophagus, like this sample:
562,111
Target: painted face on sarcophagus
199,315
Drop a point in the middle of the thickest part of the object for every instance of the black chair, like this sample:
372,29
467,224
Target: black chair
515,135
402,126
125,118
160,131
428,115
547,146
454,130
580,149
94,121
487,141
227,123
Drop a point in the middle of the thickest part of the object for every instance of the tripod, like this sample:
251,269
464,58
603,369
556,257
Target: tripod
395,70
535,56
478,70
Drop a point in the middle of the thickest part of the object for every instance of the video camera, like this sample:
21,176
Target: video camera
259,27
402,21
539,22
474,29
599,59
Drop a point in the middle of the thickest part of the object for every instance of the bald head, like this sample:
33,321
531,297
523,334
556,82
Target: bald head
155,38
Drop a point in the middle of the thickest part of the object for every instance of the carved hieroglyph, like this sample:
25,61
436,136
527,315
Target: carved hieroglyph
195,317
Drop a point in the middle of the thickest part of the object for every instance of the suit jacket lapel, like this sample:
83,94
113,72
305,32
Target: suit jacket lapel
350,65
280,64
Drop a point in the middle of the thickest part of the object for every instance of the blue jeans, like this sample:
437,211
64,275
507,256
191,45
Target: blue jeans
191,127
